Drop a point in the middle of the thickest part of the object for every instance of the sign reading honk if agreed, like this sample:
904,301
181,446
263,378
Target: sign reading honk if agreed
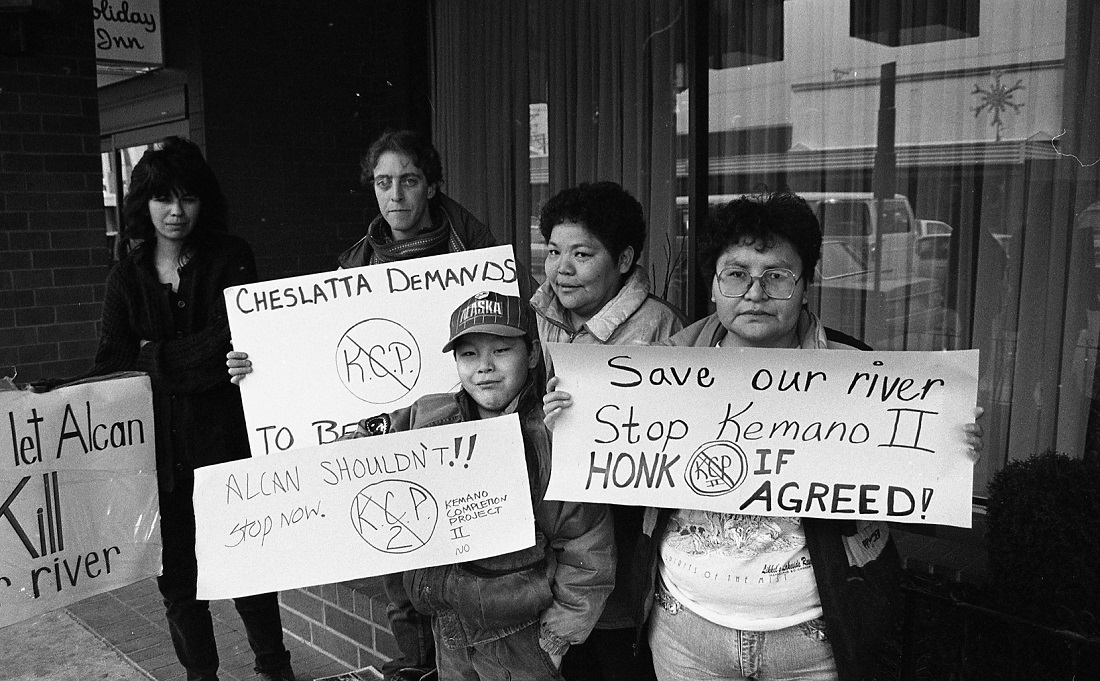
819,433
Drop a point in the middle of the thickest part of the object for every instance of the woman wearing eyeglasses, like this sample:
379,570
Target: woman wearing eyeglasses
737,596
732,596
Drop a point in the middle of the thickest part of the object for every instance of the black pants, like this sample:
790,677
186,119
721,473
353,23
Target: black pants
608,655
189,619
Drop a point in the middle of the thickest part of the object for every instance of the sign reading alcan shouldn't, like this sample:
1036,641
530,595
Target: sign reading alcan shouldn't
819,433
362,507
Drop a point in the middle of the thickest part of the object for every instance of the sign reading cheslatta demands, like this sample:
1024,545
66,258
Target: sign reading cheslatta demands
332,348
818,433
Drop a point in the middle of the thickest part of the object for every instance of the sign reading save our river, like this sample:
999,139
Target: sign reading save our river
78,493
820,433
329,349
362,507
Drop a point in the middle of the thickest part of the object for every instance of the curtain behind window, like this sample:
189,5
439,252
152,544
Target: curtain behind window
480,112
611,95
1080,385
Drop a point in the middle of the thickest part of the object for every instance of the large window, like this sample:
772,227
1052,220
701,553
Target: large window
948,147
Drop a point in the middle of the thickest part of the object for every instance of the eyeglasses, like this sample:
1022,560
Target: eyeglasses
778,283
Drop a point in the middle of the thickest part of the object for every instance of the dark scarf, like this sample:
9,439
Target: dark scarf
439,240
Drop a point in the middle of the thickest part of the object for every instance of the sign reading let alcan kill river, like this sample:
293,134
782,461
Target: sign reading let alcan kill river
362,507
818,433
332,348
78,493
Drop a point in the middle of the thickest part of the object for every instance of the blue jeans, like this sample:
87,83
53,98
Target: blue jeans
516,657
687,647
411,629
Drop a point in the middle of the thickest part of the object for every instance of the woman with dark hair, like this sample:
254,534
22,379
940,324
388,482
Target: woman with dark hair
594,290
595,293
163,314
772,599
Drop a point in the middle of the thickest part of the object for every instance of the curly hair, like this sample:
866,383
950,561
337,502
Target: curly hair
763,219
605,209
410,143
175,166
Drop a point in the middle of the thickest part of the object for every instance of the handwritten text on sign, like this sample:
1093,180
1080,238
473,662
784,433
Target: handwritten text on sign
78,494
819,433
362,507
330,349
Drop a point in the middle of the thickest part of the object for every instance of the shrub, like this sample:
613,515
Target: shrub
1044,541
1044,567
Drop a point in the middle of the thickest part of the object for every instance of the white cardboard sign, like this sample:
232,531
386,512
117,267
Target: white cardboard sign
818,433
362,507
79,512
332,348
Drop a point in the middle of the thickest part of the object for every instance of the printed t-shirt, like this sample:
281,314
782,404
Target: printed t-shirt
740,571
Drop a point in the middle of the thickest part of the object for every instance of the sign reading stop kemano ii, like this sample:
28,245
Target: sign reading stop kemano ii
362,507
819,433
329,349
78,494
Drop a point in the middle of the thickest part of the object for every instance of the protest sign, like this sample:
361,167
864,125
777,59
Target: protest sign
78,493
819,433
362,507
329,349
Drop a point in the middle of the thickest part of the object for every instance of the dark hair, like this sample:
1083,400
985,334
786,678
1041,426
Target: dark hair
604,208
174,166
763,219
410,143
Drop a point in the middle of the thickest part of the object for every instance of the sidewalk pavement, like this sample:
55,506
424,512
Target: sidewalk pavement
55,646
123,636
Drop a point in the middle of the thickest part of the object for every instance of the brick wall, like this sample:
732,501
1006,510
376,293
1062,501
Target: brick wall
52,235
347,621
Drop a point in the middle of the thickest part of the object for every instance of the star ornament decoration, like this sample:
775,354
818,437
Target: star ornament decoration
997,99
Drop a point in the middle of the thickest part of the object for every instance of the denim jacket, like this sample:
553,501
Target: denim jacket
561,582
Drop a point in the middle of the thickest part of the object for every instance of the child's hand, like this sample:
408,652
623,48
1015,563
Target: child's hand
554,402
239,365
974,434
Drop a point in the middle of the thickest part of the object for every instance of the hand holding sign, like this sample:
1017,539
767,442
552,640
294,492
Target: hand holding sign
362,507
370,337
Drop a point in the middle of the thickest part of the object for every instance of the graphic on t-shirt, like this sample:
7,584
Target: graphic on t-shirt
708,533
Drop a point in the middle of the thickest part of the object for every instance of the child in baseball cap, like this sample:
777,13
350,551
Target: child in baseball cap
515,615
